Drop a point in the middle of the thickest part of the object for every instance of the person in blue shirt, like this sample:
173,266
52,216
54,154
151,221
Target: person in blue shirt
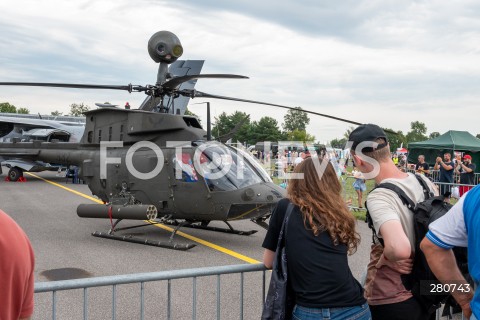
445,166
460,227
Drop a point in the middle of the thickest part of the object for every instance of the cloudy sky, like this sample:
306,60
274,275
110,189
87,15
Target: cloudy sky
388,62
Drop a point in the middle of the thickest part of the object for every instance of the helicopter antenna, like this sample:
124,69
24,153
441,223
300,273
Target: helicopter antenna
209,122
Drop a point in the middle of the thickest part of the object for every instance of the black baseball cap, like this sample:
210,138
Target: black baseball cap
367,132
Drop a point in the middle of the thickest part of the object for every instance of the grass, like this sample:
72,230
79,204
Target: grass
349,192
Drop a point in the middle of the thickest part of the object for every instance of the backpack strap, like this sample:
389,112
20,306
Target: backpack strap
401,194
369,221
427,192
405,200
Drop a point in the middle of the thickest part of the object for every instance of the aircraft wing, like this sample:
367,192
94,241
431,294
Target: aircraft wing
37,123
177,69
17,127
29,165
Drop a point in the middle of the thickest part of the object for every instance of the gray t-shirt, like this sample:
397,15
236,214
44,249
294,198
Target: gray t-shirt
384,285
385,205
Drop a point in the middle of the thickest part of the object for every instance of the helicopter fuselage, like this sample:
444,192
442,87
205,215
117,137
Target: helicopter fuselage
132,156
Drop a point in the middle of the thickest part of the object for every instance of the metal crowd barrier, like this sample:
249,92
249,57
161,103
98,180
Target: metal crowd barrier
434,175
142,278
444,187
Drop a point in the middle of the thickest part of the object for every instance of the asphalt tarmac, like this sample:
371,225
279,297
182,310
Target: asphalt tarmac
46,210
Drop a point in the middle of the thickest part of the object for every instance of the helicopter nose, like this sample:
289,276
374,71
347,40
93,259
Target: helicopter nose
249,211
257,202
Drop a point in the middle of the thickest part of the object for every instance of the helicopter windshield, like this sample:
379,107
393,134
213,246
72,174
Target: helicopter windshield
251,160
223,169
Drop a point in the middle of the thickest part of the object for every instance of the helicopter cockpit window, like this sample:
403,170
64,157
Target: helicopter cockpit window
251,160
184,161
90,136
223,169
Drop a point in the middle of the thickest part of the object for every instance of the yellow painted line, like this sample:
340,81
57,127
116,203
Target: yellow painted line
210,245
180,233
67,189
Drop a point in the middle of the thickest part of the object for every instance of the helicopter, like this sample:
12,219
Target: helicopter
158,165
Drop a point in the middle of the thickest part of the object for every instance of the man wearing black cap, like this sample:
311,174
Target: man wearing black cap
393,223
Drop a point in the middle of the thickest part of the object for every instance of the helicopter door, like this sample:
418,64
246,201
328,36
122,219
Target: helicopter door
191,195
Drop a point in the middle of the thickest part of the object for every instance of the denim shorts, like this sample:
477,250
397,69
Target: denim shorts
359,185
348,313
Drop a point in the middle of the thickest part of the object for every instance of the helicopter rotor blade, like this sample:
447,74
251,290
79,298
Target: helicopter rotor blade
199,94
175,82
128,88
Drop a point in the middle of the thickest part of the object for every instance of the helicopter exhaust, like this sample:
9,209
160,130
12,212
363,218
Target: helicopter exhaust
130,212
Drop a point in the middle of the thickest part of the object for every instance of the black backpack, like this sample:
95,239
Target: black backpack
425,212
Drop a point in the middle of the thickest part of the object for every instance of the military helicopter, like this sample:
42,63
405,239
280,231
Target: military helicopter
154,163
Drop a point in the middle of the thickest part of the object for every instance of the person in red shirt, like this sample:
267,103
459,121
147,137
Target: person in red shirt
16,271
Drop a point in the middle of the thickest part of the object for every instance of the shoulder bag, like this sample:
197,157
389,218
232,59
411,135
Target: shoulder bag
280,298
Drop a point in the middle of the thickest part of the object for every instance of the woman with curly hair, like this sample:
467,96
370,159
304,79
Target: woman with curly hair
320,235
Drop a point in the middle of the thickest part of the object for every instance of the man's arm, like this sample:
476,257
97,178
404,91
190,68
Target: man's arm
445,166
466,168
396,244
437,163
443,264
426,168
457,170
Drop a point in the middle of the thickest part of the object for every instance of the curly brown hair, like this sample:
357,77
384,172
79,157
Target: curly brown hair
319,197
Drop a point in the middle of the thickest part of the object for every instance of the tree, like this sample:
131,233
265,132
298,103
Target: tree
295,119
23,111
77,110
417,133
346,135
266,129
434,134
7,107
478,136
338,143
395,140
300,135
56,113
224,124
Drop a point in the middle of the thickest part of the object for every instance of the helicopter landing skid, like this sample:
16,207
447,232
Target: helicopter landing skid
129,238
261,222
205,226
155,243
